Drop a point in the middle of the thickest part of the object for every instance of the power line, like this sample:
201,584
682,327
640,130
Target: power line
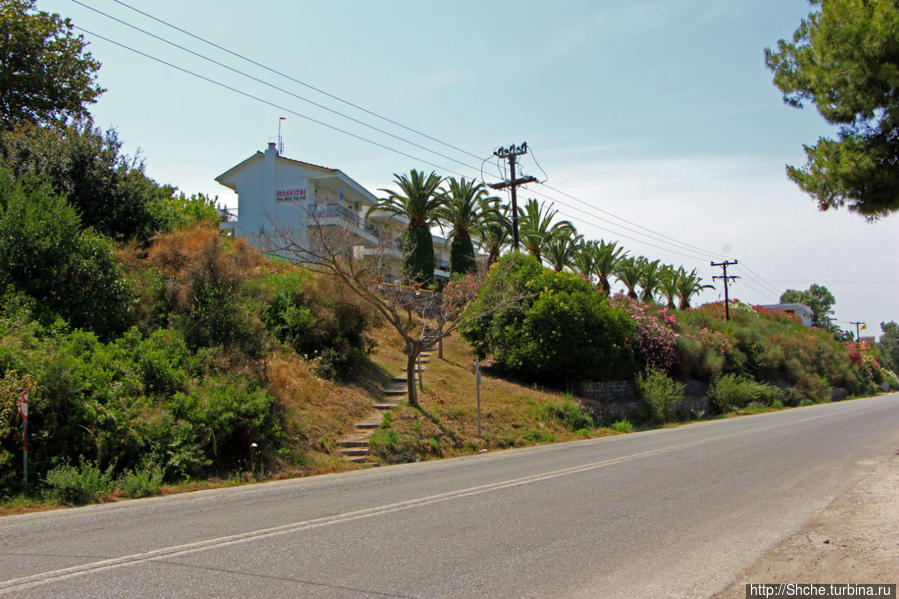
678,249
338,98
271,85
365,139
290,78
268,102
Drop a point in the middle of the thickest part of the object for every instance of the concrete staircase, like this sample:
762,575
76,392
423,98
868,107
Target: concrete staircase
355,447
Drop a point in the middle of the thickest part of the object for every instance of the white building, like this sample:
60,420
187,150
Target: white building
804,313
275,191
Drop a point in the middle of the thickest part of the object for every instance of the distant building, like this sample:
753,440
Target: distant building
804,313
275,191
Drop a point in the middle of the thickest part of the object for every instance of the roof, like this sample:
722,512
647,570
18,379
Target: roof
260,154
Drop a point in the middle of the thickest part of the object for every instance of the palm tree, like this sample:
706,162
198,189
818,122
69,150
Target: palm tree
417,199
608,257
668,276
460,209
650,278
537,227
629,272
584,260
688,285
494,231
562,248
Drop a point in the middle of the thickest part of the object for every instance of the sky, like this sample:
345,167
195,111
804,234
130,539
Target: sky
656,112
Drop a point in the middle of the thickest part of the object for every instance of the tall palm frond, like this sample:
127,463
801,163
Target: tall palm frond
537,227
668,284
628,272
688,285
460,211
561,249
650,278
494,232
417,199
608,257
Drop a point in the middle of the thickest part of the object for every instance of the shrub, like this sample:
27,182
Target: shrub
568,413
141,483
45,254
654,338
731,391
560,331
86,166
78,484
661,393
622,426
319,320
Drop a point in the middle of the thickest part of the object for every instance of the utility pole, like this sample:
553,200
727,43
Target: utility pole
510,154
726,278
858,329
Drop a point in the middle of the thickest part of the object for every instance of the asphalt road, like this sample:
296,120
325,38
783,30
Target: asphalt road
670,513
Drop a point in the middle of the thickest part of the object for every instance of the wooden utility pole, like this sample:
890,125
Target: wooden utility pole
858,330
510,154
726,278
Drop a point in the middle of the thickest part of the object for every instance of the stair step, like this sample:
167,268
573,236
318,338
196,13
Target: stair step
355,452
367,425
385,406
398,379
353,442
394,392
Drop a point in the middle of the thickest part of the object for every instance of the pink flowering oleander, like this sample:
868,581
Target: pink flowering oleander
654,339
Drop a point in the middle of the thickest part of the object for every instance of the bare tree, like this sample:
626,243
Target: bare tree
372,273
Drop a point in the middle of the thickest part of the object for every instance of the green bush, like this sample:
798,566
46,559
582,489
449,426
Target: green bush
622,426
78,484
318,320
568,413
141,483
661,393
731,391
45,254
560,331
109,190
418,256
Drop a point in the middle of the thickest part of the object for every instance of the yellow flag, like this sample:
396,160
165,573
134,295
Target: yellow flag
864,326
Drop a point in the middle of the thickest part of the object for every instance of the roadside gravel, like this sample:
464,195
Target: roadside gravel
854,540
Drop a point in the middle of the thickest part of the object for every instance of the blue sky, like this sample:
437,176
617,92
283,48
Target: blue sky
658,112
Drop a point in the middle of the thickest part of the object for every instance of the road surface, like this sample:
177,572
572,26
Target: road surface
676,512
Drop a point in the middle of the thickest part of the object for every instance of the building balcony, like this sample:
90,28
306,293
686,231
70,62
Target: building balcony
334,214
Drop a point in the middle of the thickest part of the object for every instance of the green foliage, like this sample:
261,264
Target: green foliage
140,483
622,426
568,413
560,331
184,211
463,207
888,346
418,256
819,299
843,59
109,190
661,393
731,391
46,75
319,321
137,402
417,200
462,255
78,485
45,254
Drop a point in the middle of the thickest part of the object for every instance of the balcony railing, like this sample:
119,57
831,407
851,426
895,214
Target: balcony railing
334,210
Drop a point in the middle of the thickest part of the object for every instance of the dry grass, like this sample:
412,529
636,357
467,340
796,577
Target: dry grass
512,415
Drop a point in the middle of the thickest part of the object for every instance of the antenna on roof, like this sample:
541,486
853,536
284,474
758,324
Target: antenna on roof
280,141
